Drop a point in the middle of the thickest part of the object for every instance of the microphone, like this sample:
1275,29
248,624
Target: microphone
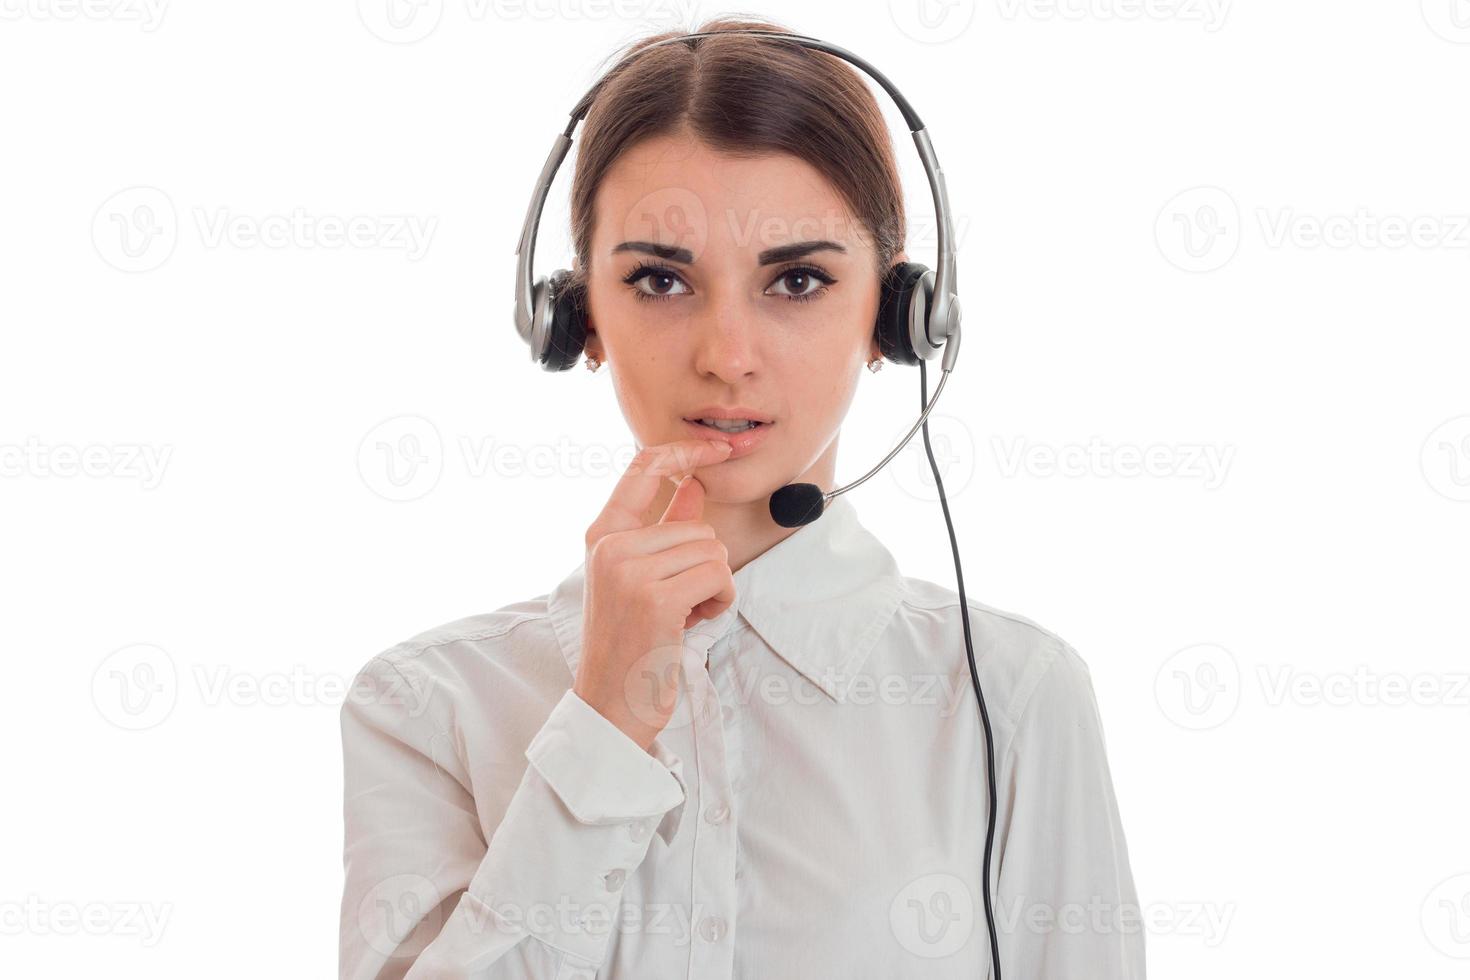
801,503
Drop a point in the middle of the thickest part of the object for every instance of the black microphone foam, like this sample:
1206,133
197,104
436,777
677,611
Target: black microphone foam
796,504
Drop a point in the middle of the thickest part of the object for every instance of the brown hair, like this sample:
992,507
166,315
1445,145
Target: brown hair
745,95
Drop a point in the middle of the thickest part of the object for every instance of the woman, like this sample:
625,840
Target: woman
720,746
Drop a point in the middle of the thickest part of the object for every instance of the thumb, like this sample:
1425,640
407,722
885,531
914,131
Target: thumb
687,504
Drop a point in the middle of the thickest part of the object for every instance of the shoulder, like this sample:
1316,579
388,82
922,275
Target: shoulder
501,634
1020,660
472,658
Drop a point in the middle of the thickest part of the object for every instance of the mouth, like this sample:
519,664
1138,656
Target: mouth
728,426
730,421
743,428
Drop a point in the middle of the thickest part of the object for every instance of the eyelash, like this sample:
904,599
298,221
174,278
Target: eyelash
644,270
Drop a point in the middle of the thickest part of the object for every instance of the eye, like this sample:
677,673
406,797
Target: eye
802,282
654,282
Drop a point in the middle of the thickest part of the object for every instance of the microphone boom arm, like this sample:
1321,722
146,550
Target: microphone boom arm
950,347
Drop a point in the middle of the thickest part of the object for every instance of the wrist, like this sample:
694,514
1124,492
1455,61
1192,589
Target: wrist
640,732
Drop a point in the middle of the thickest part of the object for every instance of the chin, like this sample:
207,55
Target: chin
741,481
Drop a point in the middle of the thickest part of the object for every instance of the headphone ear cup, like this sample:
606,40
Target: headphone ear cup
895,301
568,333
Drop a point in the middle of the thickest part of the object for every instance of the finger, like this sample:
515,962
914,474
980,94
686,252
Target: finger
667,564
687,503
708,609
709,580
655,538
637,487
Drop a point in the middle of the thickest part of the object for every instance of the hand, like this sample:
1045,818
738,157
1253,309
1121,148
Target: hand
645,585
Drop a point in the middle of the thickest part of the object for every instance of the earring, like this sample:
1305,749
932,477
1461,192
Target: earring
593,363
875,365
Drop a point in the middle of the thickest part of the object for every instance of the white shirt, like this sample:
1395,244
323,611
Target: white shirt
815,809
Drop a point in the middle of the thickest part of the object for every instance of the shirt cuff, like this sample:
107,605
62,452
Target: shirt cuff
602,775
577,827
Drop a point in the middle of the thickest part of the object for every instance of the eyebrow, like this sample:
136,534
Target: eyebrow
771,256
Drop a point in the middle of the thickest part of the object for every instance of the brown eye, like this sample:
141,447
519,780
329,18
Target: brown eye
659,282
801,283
654,283
797,282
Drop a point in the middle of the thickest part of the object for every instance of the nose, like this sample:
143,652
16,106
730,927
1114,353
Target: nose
728,332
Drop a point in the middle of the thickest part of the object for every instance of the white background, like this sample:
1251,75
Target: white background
1190,230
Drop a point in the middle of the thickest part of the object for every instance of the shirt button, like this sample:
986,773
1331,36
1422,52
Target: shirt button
716,813
614,879
638,830
712,928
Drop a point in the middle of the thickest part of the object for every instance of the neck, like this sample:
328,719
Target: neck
745,526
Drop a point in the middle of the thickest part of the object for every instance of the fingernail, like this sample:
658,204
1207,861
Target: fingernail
721,445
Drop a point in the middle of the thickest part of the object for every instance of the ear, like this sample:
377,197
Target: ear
874,350
593,344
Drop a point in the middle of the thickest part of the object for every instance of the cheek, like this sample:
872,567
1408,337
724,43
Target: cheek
820,385
641,389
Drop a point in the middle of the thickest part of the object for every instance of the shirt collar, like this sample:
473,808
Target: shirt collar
820,598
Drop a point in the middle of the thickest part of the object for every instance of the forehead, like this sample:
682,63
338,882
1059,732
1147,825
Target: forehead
676,190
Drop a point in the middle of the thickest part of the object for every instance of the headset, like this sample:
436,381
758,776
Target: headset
918,318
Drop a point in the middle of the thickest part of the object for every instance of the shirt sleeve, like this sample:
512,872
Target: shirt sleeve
425,896
1066,907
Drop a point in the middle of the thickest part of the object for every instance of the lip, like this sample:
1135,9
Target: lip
730,412
741,443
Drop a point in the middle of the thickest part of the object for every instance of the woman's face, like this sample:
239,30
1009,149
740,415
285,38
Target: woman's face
767,305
